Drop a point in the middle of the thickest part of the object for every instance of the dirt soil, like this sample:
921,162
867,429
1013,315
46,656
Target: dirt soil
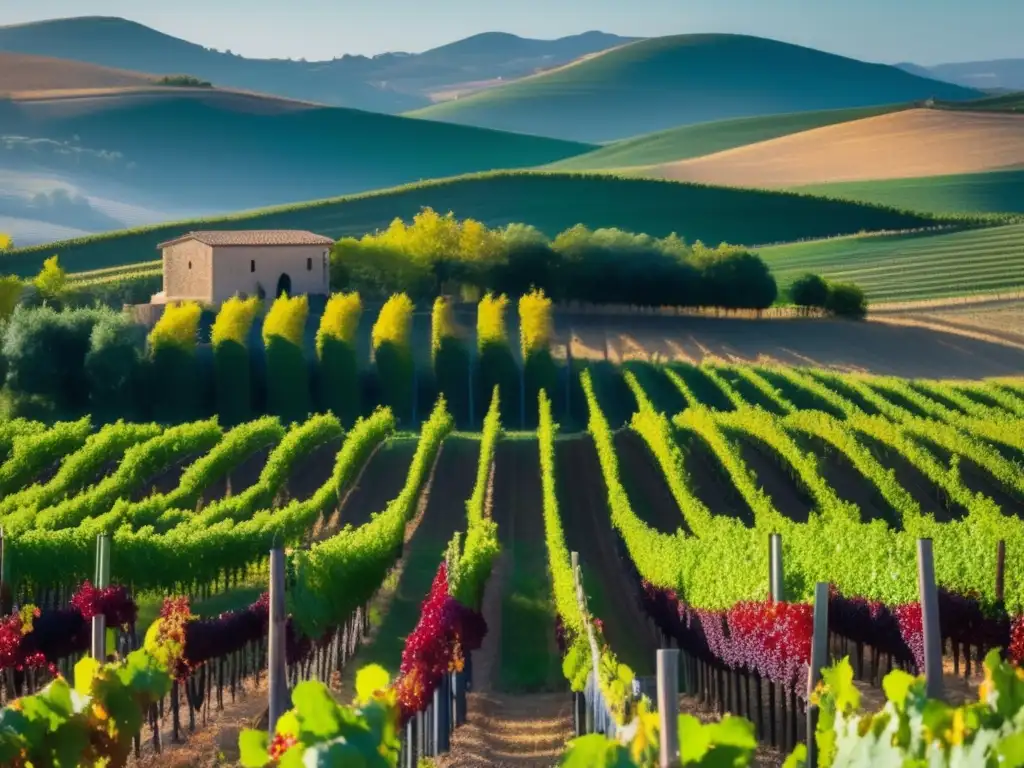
848,483
645,483
238,480
710,483
166,480
878,347
907,144
787,496
380,482
999,320
313,471
22,72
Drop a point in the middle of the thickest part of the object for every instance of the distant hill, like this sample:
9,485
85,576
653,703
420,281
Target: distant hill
1007,74
552,202
22,72
212,151
389,83
914,142
708,138
664,82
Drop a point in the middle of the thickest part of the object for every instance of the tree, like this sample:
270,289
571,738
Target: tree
6,242
114,367
846,300
809,290
10,292
51,282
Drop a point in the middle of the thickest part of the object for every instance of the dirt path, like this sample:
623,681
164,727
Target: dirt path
645,483
786,494
710,481
311,472
379,482
583,503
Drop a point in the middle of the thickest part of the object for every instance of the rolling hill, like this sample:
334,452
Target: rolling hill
995,192
707,138
999,73
21,72
909,267
208,151
552,202
664,82
910,143
389,83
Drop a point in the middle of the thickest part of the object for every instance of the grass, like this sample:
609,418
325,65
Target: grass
550,201
689,141
1007,102
910,266
998,191
665,82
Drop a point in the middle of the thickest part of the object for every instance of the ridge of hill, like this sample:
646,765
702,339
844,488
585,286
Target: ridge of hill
23,72
985,75
389,82
910,143
552,202
665,82
212,151
689,141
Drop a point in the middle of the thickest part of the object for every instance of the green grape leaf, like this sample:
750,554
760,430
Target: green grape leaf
733,732
317,712
897,686
288,724
253,748
694,739
86,671
1011,749
797,758
369,680
595,751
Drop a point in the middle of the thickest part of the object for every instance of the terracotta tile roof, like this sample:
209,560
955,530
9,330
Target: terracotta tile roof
252,237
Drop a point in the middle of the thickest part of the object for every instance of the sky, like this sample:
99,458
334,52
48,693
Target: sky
888,31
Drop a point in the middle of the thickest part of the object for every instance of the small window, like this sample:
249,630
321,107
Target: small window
252,265
309,264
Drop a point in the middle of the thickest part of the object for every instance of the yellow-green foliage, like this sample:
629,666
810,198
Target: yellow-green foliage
51,279
286,319
177,327
6,242
442,324
535,325
490,321
234,320
10,292
394,323
340,320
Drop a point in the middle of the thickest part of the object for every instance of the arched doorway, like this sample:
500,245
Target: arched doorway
284,284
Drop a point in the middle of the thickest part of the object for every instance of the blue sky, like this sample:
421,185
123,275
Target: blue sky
923,31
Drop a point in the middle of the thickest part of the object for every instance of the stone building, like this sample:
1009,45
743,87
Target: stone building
211,267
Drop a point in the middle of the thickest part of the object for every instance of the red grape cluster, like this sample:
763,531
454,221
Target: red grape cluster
446,632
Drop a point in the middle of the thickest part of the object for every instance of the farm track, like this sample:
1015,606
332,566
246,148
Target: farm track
646,485
586,519
380,481
710,481
444,513
786,494
239,479
312,471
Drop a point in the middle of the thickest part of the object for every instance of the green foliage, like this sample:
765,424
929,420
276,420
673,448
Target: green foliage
287,368
175,383
114,367
392,354
337,575
319,731
11,289
536,328
183,81
51,282
231,364
809,290
338,373
846,300
451,359
35,452
496,366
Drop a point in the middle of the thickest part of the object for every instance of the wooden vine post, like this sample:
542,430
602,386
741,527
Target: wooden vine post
668,707
929,596
277,681
819,658
595,653
101,579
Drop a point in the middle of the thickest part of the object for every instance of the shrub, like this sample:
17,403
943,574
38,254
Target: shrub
496,366
846,300
11,288
174,370
287,369
450,359
392,354
51,282
338,381
114,367
184,81
809,290
45,352
535,332
231,369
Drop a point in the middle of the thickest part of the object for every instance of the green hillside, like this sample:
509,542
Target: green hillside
909,267
665,82
689,141
994,192
552,202
1004,102
222,151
